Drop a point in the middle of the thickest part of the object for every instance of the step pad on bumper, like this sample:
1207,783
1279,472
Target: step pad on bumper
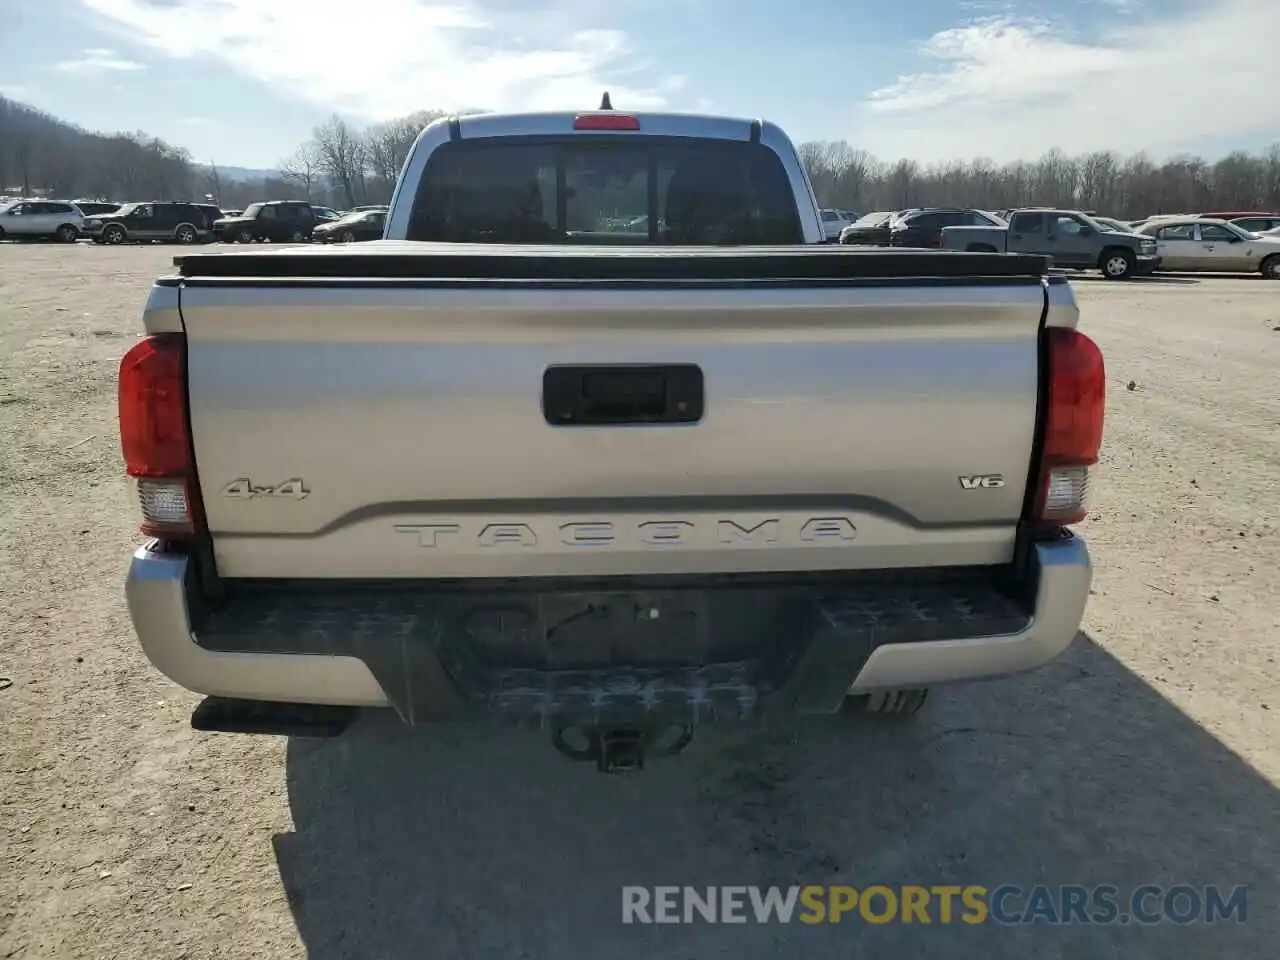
719,652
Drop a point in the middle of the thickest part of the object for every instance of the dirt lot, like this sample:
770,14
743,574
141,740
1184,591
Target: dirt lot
1150,753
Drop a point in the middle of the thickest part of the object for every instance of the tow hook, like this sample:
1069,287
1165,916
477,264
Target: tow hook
622,749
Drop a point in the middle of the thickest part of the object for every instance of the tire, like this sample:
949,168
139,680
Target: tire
2,234
186,234
298,236
888,703
67,233
1117,263
1271,267
244,236
113,234
348,237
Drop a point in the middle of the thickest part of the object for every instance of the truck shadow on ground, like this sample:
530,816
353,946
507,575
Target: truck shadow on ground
457,842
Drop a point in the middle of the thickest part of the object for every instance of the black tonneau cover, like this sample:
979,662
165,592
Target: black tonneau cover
401,260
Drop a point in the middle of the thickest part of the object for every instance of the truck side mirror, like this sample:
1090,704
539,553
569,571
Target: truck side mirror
1086,231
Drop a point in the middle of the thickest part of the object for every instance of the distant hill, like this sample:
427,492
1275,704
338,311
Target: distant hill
40,154
238,174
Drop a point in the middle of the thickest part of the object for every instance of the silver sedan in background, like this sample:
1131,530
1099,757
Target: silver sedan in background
1199,243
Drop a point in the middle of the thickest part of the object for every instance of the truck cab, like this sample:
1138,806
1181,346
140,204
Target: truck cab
605,178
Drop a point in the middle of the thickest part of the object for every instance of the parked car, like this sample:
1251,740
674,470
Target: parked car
41,219
1232,214
617,491
833,221
1135,224
871,229
1113,225
352,228
325,214
923,228
278,221
1257,224
164,221
1200,243
1071,239
212,214
93,208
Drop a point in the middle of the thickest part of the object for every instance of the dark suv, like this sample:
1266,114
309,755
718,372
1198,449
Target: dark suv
155,220
280,221
923,228
212,214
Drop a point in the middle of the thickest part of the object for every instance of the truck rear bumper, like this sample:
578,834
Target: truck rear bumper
390,650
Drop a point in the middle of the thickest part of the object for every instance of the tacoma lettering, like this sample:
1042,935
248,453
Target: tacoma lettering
644,533
730,531
428,534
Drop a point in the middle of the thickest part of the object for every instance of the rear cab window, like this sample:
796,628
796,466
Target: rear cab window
1027,223
605,190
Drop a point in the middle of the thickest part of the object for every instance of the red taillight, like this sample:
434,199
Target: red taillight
605,121
1073,427
152,397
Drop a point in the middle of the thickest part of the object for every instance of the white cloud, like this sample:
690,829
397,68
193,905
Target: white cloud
1007,88
99,60
377,59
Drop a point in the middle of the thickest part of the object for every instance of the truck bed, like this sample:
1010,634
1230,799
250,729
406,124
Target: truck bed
409,411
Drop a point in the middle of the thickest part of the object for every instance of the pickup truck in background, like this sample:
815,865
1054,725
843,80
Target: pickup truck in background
604,438
1072,240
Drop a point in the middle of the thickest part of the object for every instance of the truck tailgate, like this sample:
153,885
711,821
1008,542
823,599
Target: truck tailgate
389,415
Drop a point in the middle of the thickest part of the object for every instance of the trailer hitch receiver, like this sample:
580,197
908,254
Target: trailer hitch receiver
621,749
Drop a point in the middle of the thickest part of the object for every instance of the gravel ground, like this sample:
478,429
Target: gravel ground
1149,753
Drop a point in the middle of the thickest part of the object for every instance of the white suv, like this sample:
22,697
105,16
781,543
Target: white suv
30,219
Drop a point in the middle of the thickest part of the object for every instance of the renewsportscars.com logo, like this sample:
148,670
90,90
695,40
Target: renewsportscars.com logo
939,903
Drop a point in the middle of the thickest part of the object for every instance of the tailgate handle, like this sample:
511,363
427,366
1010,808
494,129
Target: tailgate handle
616,394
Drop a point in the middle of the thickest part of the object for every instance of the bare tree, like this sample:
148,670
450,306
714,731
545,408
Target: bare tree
303,168
214,182
341,155
1129,187
388,143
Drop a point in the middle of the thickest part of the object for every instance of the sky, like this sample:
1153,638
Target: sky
243,82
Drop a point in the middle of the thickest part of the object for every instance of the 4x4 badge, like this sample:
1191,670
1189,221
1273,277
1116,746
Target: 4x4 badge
245,489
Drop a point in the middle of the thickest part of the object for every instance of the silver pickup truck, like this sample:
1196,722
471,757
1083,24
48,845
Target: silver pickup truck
603,438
